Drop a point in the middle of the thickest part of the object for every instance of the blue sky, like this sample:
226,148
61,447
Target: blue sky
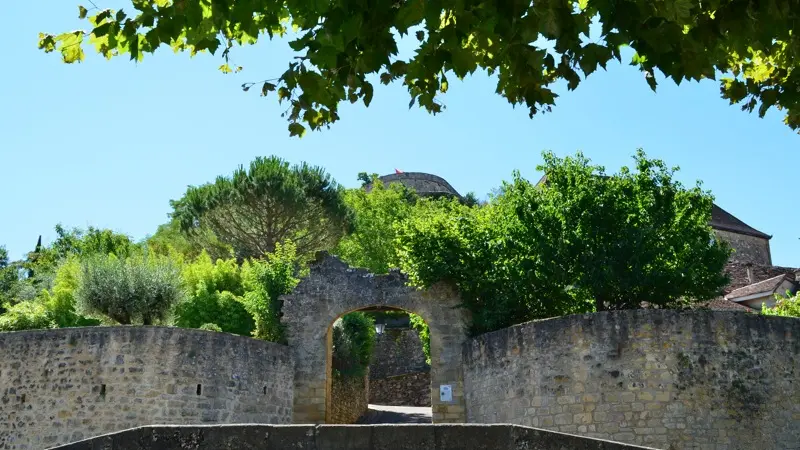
109,143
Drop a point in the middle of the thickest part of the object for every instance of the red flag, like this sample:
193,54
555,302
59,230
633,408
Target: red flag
398,171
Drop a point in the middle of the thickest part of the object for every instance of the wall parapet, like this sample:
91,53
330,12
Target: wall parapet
355,437
660,378
59,386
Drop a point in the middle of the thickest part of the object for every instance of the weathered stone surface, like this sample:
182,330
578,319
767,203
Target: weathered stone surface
397,352
333,289
342,437
664,379
749,249
424,184
411,389
59,386
349,399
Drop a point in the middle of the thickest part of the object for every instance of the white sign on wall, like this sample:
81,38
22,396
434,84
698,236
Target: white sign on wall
446,393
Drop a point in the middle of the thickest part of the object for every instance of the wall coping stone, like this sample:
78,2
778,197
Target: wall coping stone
344,437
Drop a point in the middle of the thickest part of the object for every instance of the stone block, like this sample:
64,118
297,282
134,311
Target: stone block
403,437
350,437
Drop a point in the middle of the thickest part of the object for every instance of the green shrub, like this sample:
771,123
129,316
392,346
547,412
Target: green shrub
222,308
210,327
213,295
265,281
140,289
353,341
788,306
28,315
60,301
424,332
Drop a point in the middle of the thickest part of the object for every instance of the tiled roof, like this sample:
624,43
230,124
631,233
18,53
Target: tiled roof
720,304
769,285
737,271
723,220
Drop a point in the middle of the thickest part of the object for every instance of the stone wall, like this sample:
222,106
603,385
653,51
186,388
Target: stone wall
64,385
411,389
338,437
700,380
747,248
397,352
349,398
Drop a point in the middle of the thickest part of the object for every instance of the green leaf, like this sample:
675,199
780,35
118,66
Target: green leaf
325,57
651,80
295,129
463,62
283,93
420,35
71,50
101,30
386,78
366,91
82,12
47,42
266,88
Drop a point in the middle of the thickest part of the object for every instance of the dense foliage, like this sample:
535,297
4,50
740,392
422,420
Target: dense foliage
786,306
169,238
265,282
376,213
353,341
214,293
140,289
424,332
270,202
530,46
583,241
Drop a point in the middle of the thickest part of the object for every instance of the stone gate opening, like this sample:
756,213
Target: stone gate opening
333,289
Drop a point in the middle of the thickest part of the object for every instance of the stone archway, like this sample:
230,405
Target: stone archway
333,289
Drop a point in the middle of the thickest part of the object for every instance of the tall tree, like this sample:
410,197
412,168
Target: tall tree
633,238
581,242
530,46
376,213
268,203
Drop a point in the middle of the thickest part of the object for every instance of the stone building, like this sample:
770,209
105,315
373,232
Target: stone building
424,184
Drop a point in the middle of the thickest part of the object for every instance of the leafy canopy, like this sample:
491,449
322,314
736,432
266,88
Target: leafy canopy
269,202
375,214
140,289
581,242
636,237
214,293
529,45
786,306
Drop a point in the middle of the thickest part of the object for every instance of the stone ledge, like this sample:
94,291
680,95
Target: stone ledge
343,437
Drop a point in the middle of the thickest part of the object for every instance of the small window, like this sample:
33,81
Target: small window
199,389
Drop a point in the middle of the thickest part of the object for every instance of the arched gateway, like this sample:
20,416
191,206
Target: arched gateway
333,289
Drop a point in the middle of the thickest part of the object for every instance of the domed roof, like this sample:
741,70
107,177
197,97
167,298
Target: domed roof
424,184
